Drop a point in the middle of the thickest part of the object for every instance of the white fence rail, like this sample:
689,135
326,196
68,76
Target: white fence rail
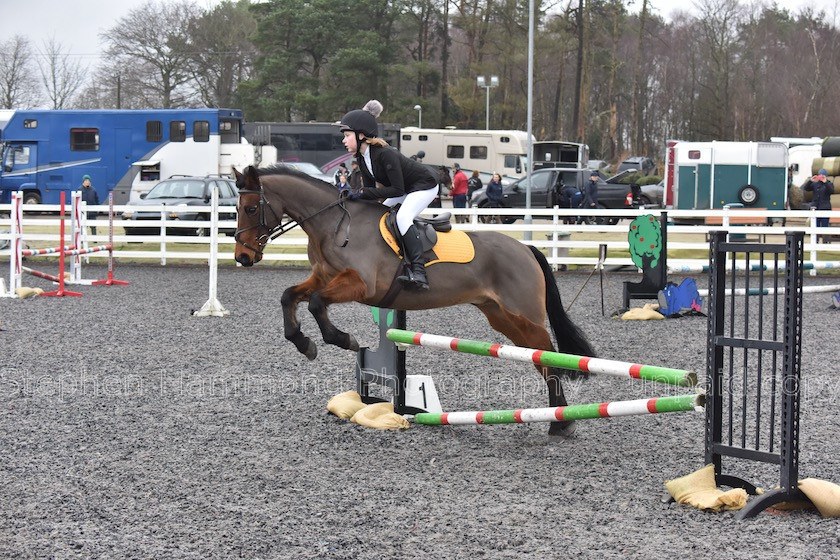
565,244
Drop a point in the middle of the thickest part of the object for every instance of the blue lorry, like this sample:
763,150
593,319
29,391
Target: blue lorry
126,152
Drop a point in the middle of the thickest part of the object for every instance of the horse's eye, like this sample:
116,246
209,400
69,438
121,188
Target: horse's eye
250,210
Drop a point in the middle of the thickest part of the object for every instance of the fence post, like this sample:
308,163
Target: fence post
213,306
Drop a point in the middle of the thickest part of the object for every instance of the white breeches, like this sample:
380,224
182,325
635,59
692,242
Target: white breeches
412,204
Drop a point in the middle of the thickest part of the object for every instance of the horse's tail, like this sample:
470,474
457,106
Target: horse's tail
570,339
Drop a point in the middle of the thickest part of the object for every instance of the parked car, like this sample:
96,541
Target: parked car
545,186
178,194
597,164
309,169
644,165
652,196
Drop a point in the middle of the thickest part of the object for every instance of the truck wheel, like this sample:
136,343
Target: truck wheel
748,195
32,197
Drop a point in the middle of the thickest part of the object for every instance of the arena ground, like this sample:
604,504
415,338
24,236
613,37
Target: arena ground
131,429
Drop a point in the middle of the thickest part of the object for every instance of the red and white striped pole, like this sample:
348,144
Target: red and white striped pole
61,291
110,280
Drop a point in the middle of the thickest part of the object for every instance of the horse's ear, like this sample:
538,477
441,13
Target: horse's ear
248,179
251,174
236,174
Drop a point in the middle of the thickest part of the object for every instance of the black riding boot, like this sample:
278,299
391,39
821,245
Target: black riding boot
415,276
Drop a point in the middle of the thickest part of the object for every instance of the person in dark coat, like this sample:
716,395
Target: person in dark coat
474,184
355,176
91,197
341,171
404,181
590,194
822,189
495,196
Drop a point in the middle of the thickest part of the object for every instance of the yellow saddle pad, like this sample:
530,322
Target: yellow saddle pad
453,246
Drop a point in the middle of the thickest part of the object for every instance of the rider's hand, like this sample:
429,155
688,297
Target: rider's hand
354,195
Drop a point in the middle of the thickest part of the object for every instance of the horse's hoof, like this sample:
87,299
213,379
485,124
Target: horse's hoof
311,351
563,429
352,344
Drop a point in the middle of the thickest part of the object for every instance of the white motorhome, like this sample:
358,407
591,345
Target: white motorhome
489,151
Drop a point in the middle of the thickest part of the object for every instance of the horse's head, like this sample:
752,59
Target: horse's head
252,231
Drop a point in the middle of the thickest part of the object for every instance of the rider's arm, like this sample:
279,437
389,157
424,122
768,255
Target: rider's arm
393,185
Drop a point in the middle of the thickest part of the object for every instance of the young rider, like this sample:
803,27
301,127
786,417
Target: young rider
403,181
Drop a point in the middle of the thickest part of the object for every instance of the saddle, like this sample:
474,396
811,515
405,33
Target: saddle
427,228
453,246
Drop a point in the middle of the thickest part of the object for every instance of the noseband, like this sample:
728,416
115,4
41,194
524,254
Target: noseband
267,234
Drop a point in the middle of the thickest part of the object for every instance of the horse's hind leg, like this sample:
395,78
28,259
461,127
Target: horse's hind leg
345,287
529,334
291,325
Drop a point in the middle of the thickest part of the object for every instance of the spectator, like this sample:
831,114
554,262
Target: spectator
590,195
473,185
355,177
343,185
822,189
569,198
342,170
91,197
459,191
495,195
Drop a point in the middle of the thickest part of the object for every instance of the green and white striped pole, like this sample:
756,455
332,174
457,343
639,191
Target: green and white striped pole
680,403
680,377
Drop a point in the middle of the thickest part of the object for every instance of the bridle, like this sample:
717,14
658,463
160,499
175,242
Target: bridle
267,233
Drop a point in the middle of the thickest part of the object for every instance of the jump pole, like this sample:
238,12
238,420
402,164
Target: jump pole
110,281
15,244
679,377
213,307
742,267
61,291
773,291
680,403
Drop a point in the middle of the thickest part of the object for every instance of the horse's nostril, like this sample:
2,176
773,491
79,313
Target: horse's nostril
244,260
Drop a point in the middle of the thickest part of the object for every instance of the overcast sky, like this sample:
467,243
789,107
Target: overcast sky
76,24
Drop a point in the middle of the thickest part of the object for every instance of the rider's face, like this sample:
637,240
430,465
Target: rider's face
350,141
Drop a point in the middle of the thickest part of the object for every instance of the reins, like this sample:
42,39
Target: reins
271,233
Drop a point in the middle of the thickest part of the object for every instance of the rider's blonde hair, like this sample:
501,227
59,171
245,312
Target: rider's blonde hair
376,142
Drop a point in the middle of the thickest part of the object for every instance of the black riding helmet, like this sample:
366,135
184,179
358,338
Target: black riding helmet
363,121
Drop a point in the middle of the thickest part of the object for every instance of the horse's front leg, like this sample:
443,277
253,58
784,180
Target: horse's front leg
347,286
291,326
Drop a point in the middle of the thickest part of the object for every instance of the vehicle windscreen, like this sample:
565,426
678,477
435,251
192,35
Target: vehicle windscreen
177,189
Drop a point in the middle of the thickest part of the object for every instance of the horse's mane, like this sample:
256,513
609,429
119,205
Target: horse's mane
282,169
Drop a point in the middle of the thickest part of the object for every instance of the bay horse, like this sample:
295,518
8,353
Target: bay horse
511,283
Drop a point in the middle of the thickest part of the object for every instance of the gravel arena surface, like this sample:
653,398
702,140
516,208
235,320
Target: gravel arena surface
131,429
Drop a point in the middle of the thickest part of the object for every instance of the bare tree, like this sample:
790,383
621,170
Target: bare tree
61,75
18,84
220,60
154,41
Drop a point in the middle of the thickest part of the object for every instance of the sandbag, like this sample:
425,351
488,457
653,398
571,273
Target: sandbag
698,489
23,292
825,495
647,313
380,416
345,405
